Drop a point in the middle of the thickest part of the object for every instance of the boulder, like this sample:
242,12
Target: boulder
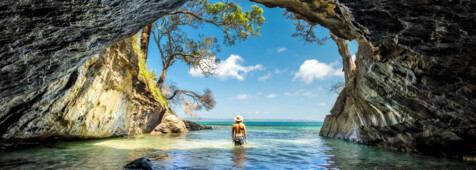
141,163
171,123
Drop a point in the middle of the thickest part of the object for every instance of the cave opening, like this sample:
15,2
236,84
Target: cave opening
69,70
293,70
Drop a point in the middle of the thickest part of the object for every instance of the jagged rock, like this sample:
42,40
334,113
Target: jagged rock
170,123
191,126
414,87
141,163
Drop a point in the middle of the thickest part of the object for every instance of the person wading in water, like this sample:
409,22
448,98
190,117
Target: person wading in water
238,132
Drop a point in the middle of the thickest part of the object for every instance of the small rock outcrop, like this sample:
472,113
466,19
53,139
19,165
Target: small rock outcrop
170,123
141,163
191,126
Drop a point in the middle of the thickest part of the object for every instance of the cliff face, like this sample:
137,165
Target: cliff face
104,97
414,87
54,83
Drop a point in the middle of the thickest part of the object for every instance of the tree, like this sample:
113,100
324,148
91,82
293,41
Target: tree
344,52
144,39
174,44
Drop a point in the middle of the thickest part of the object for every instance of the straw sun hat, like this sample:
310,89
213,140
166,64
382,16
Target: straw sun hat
238,118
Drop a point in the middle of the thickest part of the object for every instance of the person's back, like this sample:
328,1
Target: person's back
238,132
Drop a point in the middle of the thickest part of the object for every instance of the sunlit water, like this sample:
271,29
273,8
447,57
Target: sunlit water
278,145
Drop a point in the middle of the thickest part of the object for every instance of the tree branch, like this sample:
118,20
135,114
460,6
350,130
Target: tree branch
197,17
184,92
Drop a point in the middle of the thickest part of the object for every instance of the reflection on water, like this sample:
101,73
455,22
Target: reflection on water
239,156
270,147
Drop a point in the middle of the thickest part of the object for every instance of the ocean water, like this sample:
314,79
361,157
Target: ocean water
272,145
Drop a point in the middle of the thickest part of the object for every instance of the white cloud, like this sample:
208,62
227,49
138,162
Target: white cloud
242,97
313,69
282,49
265,77
231,67
272,96
322,104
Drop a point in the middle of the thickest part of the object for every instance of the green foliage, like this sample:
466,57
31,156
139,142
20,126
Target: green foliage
149,75
235,24
174,44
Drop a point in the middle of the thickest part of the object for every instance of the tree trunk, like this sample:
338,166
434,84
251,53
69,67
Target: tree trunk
161,80
144,39
344,52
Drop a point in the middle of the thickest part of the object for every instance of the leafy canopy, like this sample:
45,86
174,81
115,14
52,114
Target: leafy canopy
175,44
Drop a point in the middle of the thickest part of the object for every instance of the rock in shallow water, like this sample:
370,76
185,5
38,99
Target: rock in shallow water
191,126
170,123
141,163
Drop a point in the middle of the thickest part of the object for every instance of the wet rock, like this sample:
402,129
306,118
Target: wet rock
141,163
191,126
170,123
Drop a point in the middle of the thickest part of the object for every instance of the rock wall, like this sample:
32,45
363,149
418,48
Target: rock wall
45,42
104,97
414,87
45,64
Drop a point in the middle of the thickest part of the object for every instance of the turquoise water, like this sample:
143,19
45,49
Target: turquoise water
272,145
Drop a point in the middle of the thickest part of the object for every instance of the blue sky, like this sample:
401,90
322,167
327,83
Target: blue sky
273,76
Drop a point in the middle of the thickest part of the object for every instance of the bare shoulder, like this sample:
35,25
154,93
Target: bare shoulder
242,125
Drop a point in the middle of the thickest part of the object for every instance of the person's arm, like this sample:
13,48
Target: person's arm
246,134
232,133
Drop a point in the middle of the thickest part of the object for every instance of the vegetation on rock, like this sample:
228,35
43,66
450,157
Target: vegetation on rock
148,75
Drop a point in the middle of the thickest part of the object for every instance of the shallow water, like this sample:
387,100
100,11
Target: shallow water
276,145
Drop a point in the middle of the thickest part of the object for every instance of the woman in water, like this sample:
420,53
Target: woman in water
237,132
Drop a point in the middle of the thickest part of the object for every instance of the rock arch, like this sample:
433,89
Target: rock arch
414,87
